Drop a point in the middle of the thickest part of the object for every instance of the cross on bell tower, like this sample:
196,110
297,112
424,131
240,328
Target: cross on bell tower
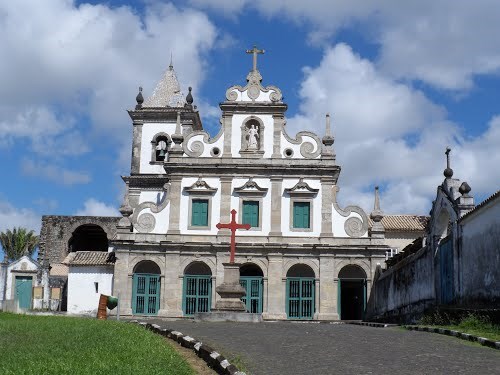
255,51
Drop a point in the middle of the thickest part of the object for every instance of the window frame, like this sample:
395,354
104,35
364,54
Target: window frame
257,199
198,197
294,200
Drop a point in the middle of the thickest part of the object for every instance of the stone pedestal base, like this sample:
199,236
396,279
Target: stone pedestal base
227,316
230,291
271,316
328,316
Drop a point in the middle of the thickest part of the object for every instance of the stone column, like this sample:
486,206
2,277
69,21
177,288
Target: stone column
327,291
276,289
172,296
265,295
279,121
122,282
276,198
175,205
225,202
136,148
326,207
227,126
46,286
317,296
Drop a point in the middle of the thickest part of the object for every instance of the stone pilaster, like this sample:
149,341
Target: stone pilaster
327,289
279,121
276,289
225,202
276,192
227,125
326,207
175,205
172,297
136,148
122,282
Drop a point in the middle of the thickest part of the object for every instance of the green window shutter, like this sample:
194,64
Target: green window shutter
301,214
251,213
199,212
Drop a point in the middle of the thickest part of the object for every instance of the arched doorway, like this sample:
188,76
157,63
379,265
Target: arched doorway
88,237
300,291
197,289
146,288
352,292
251,278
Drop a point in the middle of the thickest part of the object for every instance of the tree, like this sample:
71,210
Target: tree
18,242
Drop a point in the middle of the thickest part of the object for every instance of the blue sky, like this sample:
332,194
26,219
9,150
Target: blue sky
402,81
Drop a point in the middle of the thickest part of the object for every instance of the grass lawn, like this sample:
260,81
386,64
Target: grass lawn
62,345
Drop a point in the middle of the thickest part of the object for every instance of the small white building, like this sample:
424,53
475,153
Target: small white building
19,278
90,275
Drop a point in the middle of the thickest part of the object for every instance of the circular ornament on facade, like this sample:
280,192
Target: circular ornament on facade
215,151
146,223
253,92
354,227
288,152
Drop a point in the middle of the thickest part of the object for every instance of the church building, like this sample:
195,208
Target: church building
304,256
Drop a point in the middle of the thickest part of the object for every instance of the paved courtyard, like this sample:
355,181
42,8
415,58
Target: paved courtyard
278,348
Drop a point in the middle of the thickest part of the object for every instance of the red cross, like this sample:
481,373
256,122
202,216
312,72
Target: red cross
233,226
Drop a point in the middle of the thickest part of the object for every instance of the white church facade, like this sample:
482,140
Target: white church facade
304,256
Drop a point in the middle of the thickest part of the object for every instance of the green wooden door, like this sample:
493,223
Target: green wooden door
300,297
253,298
197,294
146,294
24,286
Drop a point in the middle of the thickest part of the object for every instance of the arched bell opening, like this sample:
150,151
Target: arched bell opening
352,292
252,280
146,288
197,289
88,237
300,292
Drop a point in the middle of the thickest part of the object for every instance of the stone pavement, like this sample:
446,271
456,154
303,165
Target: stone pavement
278,348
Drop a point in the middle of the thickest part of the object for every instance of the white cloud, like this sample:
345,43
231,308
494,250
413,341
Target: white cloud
11,217
54,173
441,42
390,134
93,207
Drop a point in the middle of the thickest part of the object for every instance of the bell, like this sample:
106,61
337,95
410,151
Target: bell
162,153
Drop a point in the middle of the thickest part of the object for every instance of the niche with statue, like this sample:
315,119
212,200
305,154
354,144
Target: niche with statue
252,137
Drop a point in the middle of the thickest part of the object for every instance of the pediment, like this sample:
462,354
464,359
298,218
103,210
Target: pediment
200,187
301,188
251,188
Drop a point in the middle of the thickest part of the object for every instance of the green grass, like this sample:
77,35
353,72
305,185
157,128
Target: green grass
62,345
473,324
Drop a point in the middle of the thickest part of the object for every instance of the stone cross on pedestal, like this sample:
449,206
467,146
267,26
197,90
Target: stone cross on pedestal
255,51
233,226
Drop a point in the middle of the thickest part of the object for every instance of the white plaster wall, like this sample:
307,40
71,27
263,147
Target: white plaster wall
25,263
149,130
82,297
486,216
162,218
236,145
215,206
296,148
265,207
206,147
316,210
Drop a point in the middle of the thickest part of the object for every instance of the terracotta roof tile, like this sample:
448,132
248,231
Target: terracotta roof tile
89,258
403,222
58,269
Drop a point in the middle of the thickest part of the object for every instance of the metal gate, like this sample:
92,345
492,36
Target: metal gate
446,269
197,292
146,294
253,298
300,297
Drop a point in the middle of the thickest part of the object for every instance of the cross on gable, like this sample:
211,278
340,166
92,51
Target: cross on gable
233,226
255,51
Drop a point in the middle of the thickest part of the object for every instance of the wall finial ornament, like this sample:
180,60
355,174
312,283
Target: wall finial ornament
448,172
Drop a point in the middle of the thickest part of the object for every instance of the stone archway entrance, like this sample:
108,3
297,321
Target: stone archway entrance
146,288
352,293
197,289
251,278
300,292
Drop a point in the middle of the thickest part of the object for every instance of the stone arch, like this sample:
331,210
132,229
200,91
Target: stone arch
147,266
88,237
300,270
352,271
110,233
251,269
245,124
356,262
198,267
154,142
259,263
134,261
184,263
308,262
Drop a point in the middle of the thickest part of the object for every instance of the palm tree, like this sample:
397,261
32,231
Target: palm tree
18,242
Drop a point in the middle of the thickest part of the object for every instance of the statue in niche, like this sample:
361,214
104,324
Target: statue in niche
253,138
